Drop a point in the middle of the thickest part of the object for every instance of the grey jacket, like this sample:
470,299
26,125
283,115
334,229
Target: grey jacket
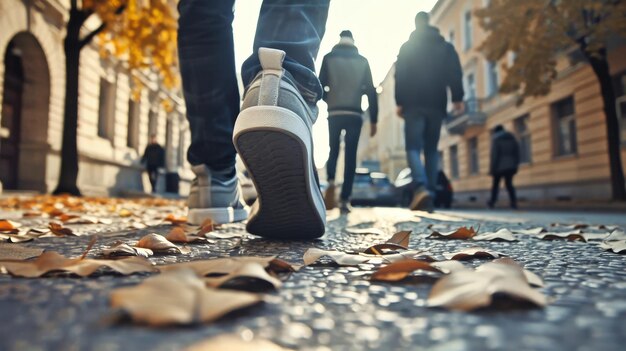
346,77
504,153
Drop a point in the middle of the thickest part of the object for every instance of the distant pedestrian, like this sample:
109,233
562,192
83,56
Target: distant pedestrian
504,163
346,77
153,158
426,68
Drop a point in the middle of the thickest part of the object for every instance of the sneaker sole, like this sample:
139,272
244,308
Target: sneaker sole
276,147
197,216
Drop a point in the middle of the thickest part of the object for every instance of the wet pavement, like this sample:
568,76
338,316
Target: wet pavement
326,307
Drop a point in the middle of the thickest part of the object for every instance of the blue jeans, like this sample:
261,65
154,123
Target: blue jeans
352,125
421,133
207,64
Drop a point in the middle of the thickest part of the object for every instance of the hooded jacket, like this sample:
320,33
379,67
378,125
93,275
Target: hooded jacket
504,153
427,66
346,77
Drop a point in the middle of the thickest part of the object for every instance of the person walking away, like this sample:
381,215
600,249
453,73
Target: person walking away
153,158
504,163
427,66
346,77
270,129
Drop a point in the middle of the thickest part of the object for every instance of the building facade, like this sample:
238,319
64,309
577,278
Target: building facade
562,135
113,129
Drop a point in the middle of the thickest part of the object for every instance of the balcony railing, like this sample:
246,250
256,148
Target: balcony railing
473,116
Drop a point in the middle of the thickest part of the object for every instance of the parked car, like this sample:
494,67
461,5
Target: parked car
372,188
404,189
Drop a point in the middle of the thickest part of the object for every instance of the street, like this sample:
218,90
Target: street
329,307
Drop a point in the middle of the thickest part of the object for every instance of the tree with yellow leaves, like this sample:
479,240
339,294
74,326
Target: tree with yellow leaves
141,32
539,30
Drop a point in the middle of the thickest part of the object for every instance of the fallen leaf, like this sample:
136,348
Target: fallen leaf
398,242
51,261
206,227
460,233
400,270
125,213
467,290
228,265
401,238
158,244
178,235
175,220
249,277
234,342
341,258
58,229
404,255
531,231
500,235
531,278
7,225
616,235
375,231
617,246
574,235
18,252
122,249
178,298
472,252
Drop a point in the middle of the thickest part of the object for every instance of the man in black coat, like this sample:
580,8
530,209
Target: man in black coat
426,68
504,163
153,158
346,77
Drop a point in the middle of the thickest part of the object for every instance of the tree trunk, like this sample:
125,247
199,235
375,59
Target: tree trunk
69,151
600,66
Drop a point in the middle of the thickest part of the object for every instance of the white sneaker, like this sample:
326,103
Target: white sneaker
273,137
218,200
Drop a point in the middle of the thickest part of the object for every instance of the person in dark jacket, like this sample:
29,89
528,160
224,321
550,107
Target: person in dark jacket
346,77
153,158
504,163
426,68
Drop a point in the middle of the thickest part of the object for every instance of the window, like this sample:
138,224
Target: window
470,86
132,136
467,30
451,37
454,162
106,110
492,78
523,135
472,151
565,127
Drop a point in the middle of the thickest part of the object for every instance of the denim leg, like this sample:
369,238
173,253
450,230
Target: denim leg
414,127
352,126
296,27
495,187
334,140
431,134
207,63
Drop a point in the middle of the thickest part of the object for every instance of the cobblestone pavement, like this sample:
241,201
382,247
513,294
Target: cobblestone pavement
326,307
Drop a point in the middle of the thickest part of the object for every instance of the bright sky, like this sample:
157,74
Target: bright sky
379,29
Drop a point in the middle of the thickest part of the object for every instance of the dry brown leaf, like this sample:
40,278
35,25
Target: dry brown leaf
467,290
399,270
401,238
574,235
472,252
341,258
234,342
206,227
125,213
405,255
51,261
228,265
122,249
460,233
178,298
530,277
178,235
158,244
617,246
175,220
500,235
398,242
59,230
8,225
248,276
18,252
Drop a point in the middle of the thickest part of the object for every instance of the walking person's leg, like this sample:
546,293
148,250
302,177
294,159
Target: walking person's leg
508,181
207,62
334,140
273,131
495,187
414,126
352,126
152,175
432,131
